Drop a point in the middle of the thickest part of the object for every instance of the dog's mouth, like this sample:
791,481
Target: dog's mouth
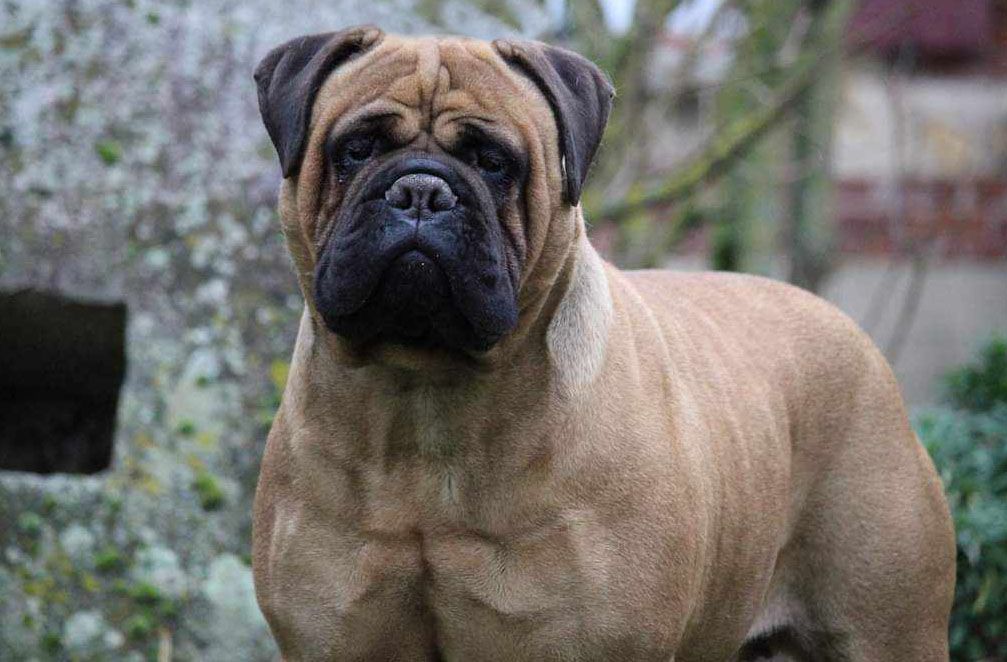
410,304
421,287
416,260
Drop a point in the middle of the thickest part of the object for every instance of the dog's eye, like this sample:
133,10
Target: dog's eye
359,148
350,153
491,161
488,159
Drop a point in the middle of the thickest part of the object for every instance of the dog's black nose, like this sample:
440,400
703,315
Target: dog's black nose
422,193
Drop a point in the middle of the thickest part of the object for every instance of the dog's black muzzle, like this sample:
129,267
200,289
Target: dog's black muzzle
416,257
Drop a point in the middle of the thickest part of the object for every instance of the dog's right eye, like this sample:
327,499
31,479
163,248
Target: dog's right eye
359,148
350,153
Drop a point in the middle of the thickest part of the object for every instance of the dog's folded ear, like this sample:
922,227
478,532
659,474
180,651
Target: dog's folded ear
289,78
580,96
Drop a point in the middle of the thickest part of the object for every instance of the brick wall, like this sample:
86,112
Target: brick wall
953,218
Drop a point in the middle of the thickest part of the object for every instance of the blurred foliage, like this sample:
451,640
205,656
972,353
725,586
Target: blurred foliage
774,107
981,385
967,439
211,497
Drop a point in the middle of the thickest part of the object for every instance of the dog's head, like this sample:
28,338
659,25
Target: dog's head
429,182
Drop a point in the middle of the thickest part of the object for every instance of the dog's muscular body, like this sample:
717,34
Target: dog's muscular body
595,465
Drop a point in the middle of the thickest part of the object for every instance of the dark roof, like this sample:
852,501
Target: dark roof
931,28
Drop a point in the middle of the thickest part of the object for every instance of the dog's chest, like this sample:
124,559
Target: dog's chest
555,591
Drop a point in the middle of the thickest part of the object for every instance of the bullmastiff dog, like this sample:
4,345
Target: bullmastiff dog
493,445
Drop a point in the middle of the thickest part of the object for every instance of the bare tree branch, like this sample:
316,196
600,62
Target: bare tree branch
628,65
723,149
910,306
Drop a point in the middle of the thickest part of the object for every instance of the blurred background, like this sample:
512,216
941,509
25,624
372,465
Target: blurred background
148,307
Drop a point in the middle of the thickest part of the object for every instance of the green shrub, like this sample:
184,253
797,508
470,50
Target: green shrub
981,385
967,439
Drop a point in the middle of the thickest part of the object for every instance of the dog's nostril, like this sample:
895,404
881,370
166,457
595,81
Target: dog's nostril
421,192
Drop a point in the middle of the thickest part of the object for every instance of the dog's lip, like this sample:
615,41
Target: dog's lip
426,257
427,246
412,246
404,248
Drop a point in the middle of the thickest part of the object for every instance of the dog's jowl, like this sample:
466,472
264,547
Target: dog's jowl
493,445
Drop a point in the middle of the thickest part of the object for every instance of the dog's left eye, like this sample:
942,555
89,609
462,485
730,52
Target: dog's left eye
491,161
488,159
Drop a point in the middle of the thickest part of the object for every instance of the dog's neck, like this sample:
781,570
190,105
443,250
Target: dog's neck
579,326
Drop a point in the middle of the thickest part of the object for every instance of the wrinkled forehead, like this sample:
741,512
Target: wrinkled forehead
434,85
